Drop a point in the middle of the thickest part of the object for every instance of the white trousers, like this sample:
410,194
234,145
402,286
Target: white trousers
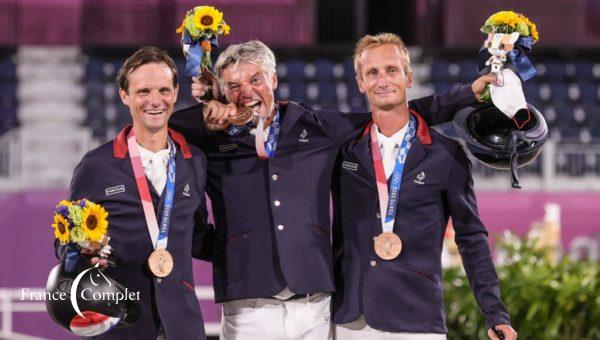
272,319
359,330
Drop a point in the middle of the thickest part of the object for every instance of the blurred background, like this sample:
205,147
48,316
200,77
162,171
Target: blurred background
59,58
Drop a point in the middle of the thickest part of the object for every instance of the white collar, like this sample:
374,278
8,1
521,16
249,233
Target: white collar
265,132
160,157
395,139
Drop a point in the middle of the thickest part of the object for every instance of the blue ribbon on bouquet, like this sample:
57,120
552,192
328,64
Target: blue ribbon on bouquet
517,56
194,58
523,66
72,263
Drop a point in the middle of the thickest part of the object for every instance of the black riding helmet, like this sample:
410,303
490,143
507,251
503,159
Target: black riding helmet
501,142
100,314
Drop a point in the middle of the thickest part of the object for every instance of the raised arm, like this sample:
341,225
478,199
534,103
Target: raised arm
435,109
441,108
190,123
342,127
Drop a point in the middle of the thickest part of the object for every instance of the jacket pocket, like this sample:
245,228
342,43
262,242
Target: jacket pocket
233,260
420,273
188,286
239,235
318,229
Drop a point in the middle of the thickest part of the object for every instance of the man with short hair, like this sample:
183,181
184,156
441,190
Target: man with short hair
149,173
395,188
270,186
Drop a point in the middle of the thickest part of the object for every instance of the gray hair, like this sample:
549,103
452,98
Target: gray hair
253,52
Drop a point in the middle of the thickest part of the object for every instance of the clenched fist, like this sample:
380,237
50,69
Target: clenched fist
480,84
203,83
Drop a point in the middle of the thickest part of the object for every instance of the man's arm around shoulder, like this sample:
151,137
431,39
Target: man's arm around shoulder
437,109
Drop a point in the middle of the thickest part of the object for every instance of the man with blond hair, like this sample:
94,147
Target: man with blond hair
270,186
394,189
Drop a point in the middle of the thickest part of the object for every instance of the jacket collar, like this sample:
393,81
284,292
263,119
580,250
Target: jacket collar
120,143
292,112
416,154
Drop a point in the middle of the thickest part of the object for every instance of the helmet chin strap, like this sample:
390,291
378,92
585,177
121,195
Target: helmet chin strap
513,144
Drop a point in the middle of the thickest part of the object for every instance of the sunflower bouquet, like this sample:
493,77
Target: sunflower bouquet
509,22
199,31
509,37
81,222
510,34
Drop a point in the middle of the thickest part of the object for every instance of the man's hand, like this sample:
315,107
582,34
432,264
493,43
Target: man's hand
95,259
216,115
480,84
216,127
242,116
206,81
509,332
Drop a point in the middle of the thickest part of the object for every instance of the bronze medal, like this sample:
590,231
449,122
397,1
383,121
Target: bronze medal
388,245
243,116
160,262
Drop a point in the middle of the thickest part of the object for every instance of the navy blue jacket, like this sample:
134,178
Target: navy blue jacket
171,302
272,216
405,294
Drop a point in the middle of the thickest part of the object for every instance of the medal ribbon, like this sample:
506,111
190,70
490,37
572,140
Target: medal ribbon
388,199
234,130
160,236
267,150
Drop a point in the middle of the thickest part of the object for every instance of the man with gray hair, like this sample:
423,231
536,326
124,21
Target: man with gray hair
270,187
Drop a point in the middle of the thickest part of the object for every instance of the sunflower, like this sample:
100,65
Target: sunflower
188,24
207,17
65,203
225,28
533,32
501,22
180,28
508,18
508,22
94,222
61,228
